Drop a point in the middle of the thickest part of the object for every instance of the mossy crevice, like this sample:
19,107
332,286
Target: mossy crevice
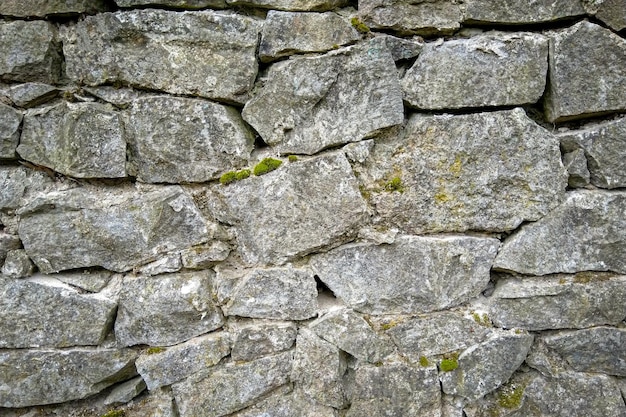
266,165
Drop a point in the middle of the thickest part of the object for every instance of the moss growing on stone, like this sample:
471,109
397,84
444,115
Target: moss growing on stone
114,413
424,361
394,184
359,25
292,158
155,349
232,176
450,362
266,165
242,175
482,320
511,397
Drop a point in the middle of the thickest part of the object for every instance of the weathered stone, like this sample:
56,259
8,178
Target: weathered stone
585,233
46,376
599,350
166,310
17,264
274,293
517,12
10,121
42,8
484,367
31,94
312,103
401,48
604,146
204,256
495,69
179,4
159,368
261,338
611,12
281,403
318,368
291,5
20,185
29,51
84,140
117,229
395,390
8,242
434,273
119,97
44,312
231,387
436,334
288,33
576,164
558,302
125,391
167,264
294,210
159,49
159,403
411,17
485,171
175,139
577,65
92,281
351,333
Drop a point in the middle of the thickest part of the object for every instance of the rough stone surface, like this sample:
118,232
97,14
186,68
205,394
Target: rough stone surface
485,366
167,309
291,5
10,121
312,103
285,404
182,4
576,164
84,140
261,338
288,33
521,11
17,264
8,242
118,96
159,403
31,94
29,51
351,333
401,48
576,65
604,146
231,387
585,233
178,140
32,377
485,171
20,185
294,210
164,265
41,8
181,361
126,391
158,49
274,293
433,273
117,229
92,281
559,302
611,12
204,256
46,313
495,69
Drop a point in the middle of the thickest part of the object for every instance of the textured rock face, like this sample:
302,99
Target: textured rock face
157,49
41,8
10,121
433,272
17,264
291,5
284,404
182,4
185,140
32,377
310,104
115,229
576,65
585,233
31,94
84,140
520,11
576,164
487,70
485,171
257,339
8,242
610,12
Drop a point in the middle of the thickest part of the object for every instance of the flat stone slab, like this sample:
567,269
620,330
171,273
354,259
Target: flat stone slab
585,233
10,121
252,340
178,4
517,12
159,49
291,5
283,403
611,12
434,273
31,94
494,69
42,8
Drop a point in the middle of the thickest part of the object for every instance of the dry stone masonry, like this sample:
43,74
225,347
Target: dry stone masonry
312,208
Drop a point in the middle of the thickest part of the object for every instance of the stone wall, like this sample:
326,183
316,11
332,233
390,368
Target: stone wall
313,208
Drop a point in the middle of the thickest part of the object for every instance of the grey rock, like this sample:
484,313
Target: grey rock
558,302
274,293
576,65
359,151
158,49
116,228
504,171
291,5
611,12
167,264
8,242
29,51
174,139
20,185
159,403
119,97
395,390
288,33
260,338
318,368
401,48
232,387
351,333
494,69
92,281
126,391
84,140
179,4
598,350
42,8
17,264
312,103
484,367
576,164
166,310
33,377
545,360
585,233
295,210
10,121
434,273
520,11
282,403
204,256
45,313
604,147
31,94
178,362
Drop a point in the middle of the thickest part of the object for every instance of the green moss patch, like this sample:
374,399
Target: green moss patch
266,165
359,25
